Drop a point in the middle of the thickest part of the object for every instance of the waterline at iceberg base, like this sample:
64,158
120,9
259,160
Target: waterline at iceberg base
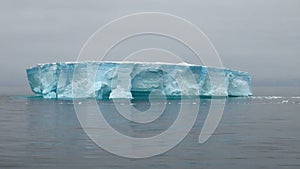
109,80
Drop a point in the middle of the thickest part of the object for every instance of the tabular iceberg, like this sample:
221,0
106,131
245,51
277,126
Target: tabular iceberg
109,80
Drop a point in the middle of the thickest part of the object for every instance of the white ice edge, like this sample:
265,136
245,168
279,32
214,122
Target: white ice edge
135,62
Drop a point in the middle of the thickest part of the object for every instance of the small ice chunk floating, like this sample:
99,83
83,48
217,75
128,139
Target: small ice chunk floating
109,80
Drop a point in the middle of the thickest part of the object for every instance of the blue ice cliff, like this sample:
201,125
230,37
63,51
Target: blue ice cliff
109,80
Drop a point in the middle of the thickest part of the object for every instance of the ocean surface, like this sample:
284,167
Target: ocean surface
261,131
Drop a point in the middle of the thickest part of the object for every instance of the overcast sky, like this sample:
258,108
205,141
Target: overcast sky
258,36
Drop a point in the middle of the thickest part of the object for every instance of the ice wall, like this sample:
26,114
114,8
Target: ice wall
104,80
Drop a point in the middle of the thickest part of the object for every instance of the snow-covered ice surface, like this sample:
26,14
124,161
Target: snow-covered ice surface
108,80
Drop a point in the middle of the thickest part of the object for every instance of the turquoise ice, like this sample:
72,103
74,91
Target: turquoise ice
109,80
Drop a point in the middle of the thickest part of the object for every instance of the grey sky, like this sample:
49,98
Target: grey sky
258,36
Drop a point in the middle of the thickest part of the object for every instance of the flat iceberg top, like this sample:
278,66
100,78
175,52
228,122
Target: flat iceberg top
121,62
108,80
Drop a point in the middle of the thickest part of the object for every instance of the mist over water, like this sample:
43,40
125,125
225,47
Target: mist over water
259,37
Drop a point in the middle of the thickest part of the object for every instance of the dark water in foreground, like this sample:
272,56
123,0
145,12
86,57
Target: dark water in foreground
255,132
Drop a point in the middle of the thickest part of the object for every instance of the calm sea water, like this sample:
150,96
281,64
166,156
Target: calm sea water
255,132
